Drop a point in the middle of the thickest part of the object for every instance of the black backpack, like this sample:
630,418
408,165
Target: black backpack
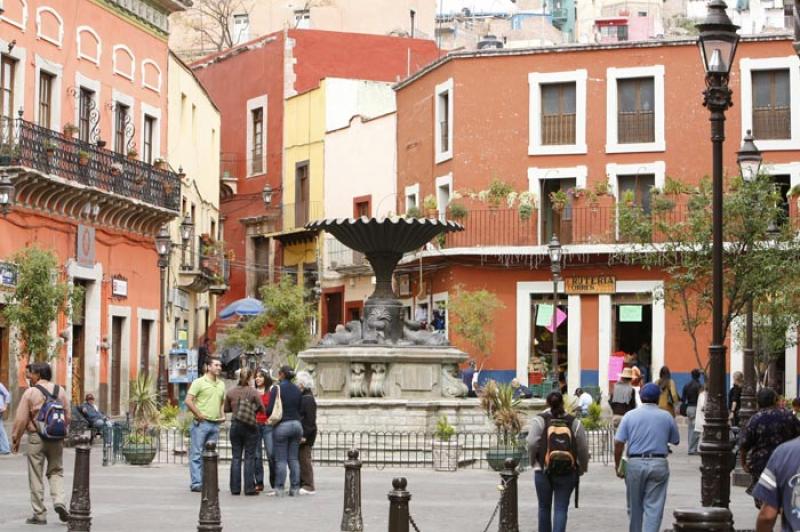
559,457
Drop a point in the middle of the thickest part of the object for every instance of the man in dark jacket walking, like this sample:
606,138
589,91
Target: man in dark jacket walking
691,390
308,418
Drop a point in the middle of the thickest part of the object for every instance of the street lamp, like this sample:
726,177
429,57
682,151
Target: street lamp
717,43
7,193
554,250
749,160
163,248
187,232
266,195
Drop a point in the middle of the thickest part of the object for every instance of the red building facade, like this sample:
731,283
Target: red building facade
617,117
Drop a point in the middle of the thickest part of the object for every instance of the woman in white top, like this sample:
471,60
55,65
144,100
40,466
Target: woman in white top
700,416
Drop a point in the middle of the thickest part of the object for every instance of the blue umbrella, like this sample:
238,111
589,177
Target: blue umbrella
248,306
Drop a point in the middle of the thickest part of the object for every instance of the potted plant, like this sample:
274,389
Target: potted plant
498,192
132,154
429,204
70,130
139,447
50,147
161,164
525,211
413,212
502,409
457,210
559,200
445,450
83,157
8,154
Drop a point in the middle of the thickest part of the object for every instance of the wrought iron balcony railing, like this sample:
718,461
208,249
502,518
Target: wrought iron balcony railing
49,152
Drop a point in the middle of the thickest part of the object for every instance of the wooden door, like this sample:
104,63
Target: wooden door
116,363
334,308
144,347
78,363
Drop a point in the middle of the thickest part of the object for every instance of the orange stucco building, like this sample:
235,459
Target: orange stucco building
83,131
613,119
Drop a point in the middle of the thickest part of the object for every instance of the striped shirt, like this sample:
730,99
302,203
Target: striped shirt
779,484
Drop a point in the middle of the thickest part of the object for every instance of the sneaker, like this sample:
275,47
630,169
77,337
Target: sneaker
293,493
35,521
196,489
306,491
271,493
62,512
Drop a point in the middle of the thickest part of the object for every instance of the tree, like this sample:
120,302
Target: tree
675,237
212,21
472,313
284,324
40,296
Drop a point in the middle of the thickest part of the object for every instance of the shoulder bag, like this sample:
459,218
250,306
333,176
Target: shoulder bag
246,411
277,408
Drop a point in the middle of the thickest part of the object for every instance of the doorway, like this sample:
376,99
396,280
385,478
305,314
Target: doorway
79,346
333,311
540,350
557,220
117,323
633,330
144,347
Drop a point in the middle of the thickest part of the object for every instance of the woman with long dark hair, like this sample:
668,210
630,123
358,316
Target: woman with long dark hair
287,432
555,482
263,384
243,402
669,397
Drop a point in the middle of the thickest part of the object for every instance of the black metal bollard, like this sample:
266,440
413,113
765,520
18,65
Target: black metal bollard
509,515
210,517
80,505
709,519
398,506
351,517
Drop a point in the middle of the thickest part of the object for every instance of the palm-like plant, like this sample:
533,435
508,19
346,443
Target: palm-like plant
143,402
502,408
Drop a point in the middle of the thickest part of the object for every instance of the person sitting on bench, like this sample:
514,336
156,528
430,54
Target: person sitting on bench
96,418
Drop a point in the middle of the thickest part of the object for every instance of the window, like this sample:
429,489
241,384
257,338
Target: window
772,116
412,196
147,142
782,184
45,99
302,19
637,186
241,28
558,113
443,126
301,194
636,110
85,107
444,188
362,206
257,149
7,71
121,121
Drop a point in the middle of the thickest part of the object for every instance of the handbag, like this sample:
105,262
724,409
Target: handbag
277,409
246,411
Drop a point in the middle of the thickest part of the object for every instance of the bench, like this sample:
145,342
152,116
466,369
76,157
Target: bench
79,425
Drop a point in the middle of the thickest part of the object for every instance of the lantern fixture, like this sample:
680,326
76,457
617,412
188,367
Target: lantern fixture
718,39
749,158
554,250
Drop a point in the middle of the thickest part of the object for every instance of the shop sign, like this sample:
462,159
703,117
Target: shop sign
590,284
119,286
8,275
85,246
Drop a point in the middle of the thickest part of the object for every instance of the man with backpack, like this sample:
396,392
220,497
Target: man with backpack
43,413
647,431
559,453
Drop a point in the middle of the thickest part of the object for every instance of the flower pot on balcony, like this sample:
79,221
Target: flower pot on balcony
132,155
161,164
70,131
83,158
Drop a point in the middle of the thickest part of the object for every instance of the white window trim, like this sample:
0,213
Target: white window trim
19,54
155,112
442,88
613,170
790,169
39,35
21,24
746,66
253,104
412,190
442,182
145,84
535,82
537,175
57,71
99,50
86,83
124,99
436,298
126,75
613,75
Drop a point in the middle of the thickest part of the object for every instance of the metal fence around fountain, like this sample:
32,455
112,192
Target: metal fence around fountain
378,449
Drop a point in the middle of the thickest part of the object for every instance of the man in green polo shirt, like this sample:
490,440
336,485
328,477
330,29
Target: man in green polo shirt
204,400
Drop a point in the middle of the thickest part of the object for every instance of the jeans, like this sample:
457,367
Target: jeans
286,437
5,448
553,491
646,482
201,432
265,447
244,438
694,437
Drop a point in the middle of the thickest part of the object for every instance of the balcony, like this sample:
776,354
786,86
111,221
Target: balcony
560,16
204,267
295,216
344,260
57,173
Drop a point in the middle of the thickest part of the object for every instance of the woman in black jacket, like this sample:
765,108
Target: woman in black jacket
287,432
308,418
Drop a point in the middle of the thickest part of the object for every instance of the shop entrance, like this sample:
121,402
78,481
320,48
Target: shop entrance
633,330
79,346
116,363
540,359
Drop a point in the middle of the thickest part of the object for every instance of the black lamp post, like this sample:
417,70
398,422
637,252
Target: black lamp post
163,248
187,232
749,160
7,193
717,42
554,250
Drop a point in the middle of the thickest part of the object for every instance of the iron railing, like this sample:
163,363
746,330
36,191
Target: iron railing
635,127
558,129
25,144
772,123
377,449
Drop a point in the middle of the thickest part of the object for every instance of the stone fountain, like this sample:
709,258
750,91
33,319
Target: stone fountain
384,355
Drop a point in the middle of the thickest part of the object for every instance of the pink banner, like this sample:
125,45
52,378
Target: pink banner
561,316
614,368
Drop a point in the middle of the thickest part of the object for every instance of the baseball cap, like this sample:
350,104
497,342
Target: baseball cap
650,392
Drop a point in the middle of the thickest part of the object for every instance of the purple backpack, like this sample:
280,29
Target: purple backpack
51,421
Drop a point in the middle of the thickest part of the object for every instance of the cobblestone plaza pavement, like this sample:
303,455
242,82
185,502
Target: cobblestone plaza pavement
157,498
